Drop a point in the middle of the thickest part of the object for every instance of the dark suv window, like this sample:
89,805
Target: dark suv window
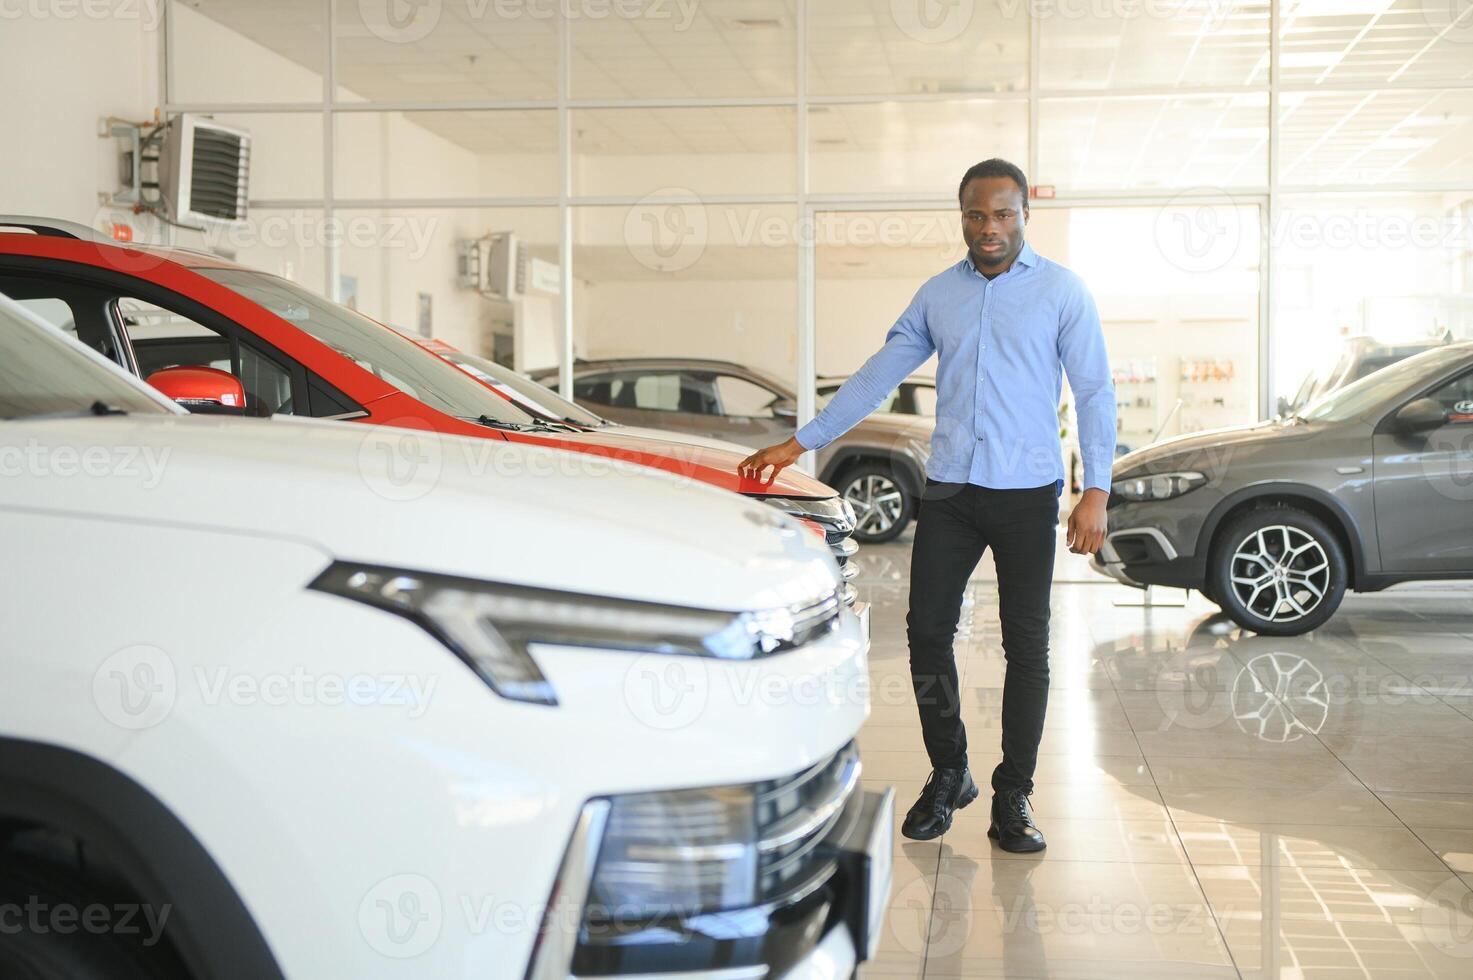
650,391
744,399
1456,398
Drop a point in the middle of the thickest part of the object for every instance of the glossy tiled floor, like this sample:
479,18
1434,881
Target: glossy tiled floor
1217,804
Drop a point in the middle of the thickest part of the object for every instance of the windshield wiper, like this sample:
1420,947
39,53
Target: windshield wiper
98,407
562,425
537,426
489,422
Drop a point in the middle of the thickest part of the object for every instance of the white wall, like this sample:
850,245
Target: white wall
61,76
55,164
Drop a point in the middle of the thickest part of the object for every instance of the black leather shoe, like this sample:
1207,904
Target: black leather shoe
1012,823
947,791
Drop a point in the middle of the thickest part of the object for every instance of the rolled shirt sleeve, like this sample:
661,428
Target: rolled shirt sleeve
907,346
1082,352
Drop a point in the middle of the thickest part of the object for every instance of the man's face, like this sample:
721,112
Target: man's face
993,217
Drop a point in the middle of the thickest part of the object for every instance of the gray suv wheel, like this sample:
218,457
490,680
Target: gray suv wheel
1279,571
882,505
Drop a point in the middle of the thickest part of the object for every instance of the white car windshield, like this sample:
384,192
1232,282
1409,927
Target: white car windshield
43,374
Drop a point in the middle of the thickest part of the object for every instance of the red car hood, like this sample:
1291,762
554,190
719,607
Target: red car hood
713,466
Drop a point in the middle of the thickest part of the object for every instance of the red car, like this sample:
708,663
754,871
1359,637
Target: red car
219,336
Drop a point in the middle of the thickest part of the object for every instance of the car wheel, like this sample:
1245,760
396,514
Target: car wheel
1279,571
57,939
882,505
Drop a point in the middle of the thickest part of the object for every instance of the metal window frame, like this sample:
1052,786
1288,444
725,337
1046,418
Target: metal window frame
1267,196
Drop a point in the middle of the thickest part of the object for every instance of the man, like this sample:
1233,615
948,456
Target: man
1004,323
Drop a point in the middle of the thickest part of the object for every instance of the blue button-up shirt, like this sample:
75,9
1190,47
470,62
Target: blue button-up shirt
1002,346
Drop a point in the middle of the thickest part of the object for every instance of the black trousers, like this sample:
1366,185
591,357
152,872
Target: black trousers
956,524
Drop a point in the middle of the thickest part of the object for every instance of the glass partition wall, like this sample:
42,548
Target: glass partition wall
764,181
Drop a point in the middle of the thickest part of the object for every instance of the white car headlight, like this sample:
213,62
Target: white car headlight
1157,486
699,851
490,626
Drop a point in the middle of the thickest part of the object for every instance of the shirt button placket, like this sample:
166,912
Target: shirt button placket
984,330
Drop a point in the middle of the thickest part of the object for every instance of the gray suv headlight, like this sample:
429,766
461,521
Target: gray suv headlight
1157,486
489,626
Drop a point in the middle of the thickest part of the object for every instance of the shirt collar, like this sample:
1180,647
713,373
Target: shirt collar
1026,257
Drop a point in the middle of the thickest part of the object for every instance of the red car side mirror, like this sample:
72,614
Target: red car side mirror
205,390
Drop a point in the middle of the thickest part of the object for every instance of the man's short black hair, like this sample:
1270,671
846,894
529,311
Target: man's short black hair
996,167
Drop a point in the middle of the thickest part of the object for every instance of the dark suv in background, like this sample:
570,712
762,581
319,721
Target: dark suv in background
1358,357
1367,487
878,466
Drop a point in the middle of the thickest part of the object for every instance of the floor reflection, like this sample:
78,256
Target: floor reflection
1217,803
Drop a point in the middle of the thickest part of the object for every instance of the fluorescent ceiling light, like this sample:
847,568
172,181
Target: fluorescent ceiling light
1309,59
1339,8
1403,142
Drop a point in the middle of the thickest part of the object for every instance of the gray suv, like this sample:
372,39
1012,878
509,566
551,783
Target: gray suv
879,466
1367,487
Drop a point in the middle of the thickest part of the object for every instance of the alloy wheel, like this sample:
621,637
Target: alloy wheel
877,503
1280,573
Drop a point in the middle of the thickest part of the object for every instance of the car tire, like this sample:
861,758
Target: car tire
883,504
1278,571
62,949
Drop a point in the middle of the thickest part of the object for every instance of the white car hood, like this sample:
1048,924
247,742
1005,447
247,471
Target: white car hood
482,508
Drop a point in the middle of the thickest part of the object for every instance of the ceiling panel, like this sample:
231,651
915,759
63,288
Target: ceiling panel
1375,137
1164,43
1146,143
916,147
708,49
887,47
1375,41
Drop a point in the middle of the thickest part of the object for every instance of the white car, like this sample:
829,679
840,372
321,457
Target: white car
300,700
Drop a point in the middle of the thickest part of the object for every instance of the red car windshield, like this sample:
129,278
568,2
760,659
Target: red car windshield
539,398
374,347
